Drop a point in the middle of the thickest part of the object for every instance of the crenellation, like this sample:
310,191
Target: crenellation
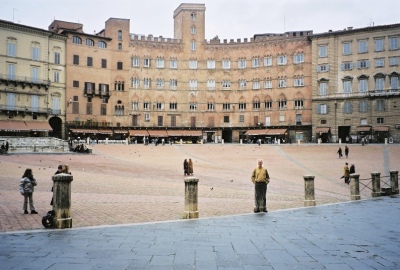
160,39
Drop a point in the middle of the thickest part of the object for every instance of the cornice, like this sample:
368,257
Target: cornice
28,29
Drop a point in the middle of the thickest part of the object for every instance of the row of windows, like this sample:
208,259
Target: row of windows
89,61
225,64
347,107
242,106
363,82
379,62
363,46
212,84
89,42
35,51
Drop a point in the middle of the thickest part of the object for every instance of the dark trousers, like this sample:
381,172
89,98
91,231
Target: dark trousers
260,189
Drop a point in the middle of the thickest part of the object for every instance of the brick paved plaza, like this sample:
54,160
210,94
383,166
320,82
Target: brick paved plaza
122,184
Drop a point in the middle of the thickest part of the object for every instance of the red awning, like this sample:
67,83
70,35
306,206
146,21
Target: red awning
38,126
85,131
158,133
381,128
185,133
257,132
363,128
138,133
13,126
278,131
322,129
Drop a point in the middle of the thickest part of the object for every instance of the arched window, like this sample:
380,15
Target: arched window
120,46
102,44
76,40
89,42
119,34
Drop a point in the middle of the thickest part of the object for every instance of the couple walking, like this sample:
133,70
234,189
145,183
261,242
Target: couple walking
188,167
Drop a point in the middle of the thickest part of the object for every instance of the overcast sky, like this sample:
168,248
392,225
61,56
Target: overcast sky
229,19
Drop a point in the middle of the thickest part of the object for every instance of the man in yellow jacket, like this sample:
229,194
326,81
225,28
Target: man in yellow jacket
260,179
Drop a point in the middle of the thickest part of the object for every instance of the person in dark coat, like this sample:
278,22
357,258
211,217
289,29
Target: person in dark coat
185,167
190,167
352,169
346,151
340,152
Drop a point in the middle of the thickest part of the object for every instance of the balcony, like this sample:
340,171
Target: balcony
371,93
8,79
23,110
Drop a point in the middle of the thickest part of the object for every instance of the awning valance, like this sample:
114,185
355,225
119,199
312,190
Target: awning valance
381,128
322,129
255,132
120,131
38,126
158,133
138,133
363,128
105,131
279,131
84,131
13,126
185,133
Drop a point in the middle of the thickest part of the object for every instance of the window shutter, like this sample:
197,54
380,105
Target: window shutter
318,68
367,63
318,108
358,64
341,66
351,65
327,67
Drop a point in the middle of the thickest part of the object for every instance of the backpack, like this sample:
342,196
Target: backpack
48,220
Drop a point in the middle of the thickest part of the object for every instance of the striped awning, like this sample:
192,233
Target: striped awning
38,126
185,133
138,133
278,131
255,132
158,133
381,128
13,126
363,128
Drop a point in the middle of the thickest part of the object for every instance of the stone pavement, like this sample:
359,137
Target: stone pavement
125,184
355,235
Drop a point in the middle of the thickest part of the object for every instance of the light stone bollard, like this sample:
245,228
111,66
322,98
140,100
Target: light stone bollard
241,141
298,142
62,200
222,141
394,182
309,193
191,195
355,187
181,142
376,184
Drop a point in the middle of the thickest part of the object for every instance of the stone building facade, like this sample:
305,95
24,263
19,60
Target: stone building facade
355,86
32,81
259,87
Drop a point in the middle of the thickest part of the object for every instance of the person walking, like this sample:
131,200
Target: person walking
190,167
352,169
346,151
346,173
26,188
260,179
340,152
185,167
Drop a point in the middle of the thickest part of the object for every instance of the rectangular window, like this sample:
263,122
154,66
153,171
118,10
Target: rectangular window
363,85
211,64
362,64
11,71
160,83
298,58
394,83
103,109
298,82
256,85
363,121
268,104
281,60
323,51
135,105
323,86
379,62
193,84
298,104
256,62
241,118
347,87
173,64
380,105
146,83
147,117
363,106
347,107
322,108
281,118
281,83
226,119
160,121
242,63
226,64
57,58
380,120
226,106
346,48
146,62
173,106
393,61
323,68
12,49
242,84
135,61
393,43
192,106
268,61
346,66
159,106
362,46
135,82
35,74
103,63
242,106
210,106
211,84
119,65
35,53
282,104
173,84
226,84
75,83
256,105
193,45
146,106
379,84
268,84
160,63
173,120
56,76
75,60
192,64
89,108
89,61
379,44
